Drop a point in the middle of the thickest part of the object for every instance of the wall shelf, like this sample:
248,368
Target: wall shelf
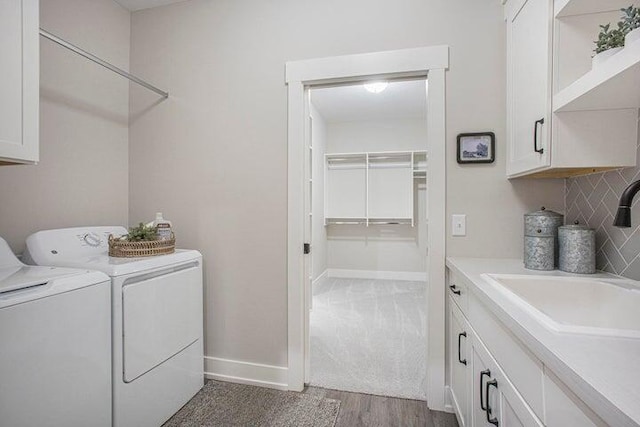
613,85
369,221
564,8
345,221
390,221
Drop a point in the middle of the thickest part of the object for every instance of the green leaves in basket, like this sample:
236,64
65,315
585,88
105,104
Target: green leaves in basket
142,233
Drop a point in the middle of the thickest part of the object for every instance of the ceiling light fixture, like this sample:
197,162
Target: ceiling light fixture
376,87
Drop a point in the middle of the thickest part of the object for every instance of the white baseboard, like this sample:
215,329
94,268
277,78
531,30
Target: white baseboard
374,274
320,277
236,371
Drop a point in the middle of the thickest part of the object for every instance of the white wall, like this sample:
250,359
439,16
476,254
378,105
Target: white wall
380,248
82,177
214,156
318,230
378,135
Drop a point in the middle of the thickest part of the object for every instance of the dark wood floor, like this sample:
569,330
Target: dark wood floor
365,410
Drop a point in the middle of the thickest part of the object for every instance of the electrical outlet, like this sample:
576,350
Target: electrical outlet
459,225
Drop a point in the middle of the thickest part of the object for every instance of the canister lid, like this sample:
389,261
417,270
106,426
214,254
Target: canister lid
543,212
575,227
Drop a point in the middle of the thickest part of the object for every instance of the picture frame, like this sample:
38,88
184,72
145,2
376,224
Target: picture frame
477,147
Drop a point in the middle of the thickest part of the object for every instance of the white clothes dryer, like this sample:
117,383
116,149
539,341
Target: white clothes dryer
157,320
55,345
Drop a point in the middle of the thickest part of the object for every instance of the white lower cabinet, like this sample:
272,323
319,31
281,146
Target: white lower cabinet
459,351
522,368
483,381
495,400
481,393
494,379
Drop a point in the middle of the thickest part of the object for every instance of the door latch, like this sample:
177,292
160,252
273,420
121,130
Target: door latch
307,248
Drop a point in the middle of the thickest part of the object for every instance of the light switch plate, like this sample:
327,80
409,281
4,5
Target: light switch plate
459,225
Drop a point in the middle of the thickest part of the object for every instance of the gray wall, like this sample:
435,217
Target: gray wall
82,177
213,157
593,200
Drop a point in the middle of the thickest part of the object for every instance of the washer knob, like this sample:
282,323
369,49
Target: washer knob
92,240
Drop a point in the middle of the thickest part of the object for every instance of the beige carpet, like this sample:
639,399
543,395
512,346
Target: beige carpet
369,336
228,404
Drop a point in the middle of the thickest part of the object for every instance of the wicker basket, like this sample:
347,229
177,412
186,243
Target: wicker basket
125,249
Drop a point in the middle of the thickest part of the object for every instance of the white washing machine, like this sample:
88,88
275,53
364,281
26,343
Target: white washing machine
157,320
55,345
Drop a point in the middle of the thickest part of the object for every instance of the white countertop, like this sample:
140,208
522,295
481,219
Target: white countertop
602,371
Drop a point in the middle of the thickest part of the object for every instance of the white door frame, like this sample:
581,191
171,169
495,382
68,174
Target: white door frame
416,62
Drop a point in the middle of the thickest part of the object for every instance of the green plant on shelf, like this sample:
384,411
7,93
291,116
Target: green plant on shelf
610,38
630,18
142,233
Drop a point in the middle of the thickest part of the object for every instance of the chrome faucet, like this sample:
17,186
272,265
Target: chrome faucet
623,216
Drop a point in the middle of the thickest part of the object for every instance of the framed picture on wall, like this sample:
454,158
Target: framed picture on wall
476,147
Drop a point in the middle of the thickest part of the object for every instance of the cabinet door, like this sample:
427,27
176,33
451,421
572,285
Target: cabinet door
483,372
495,401
459,363
19,85
529,30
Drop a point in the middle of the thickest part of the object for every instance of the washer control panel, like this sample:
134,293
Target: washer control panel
70,242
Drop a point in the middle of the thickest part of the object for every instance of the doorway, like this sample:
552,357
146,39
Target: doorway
368,155
301,77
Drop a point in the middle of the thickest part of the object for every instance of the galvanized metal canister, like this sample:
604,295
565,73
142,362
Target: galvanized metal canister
577,249
541,239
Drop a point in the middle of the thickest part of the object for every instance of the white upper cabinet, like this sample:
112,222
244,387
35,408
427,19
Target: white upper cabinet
563,117
19,85
528,82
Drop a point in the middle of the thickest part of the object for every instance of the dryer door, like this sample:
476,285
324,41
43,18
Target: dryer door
162,315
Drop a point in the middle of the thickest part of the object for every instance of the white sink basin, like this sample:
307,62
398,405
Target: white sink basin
575,305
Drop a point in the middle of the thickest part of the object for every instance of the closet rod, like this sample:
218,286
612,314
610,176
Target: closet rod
99,61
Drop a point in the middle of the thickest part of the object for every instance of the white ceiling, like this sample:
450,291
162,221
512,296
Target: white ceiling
134,5
400,100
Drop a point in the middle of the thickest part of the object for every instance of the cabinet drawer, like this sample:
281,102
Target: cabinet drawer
524,370
458,291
